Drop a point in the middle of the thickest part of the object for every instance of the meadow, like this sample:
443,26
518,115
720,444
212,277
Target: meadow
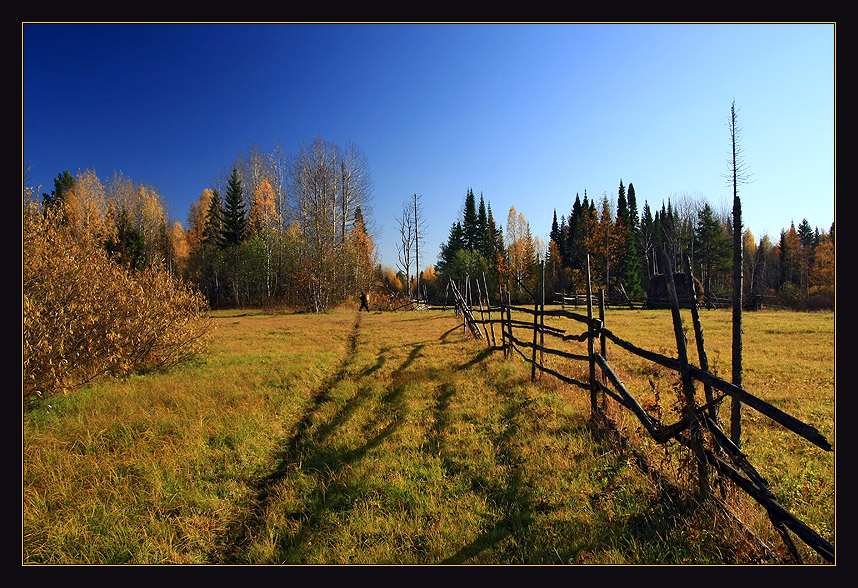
396,438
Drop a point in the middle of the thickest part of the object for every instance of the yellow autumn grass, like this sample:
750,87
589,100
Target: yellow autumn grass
788,361
382,438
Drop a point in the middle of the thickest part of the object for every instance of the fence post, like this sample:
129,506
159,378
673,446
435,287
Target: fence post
509,319
489,309
687,385
603,344
698,336
482,316
535,335
591,344
503,324
542,322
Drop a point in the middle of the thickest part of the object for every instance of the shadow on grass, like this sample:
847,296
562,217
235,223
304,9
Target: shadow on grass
242,532
304,451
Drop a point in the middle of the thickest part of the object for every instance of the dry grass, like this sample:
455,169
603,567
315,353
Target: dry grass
343,438
788,361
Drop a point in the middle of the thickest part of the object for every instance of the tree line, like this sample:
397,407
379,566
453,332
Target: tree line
284,229
628,248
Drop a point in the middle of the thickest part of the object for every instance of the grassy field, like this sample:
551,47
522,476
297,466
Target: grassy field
394,438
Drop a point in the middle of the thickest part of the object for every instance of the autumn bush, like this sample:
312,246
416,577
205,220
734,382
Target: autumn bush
86,316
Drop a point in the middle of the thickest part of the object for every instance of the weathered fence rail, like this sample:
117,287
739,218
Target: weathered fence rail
724,456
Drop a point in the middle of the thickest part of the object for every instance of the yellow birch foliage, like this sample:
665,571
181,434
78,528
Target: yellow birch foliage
263,212
822,271
177,237
86,207
197,216
85,317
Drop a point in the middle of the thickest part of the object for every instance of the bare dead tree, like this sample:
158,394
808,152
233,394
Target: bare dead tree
419,230
407,240
738,175
354,187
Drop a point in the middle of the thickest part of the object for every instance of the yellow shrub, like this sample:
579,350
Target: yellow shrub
84,316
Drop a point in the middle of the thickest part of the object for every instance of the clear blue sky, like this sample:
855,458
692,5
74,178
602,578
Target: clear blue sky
526,115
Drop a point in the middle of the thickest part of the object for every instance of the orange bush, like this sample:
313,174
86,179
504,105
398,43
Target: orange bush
84,316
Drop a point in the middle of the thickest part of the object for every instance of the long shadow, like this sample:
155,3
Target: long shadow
329,464
478,358
304,450
510,497
238,536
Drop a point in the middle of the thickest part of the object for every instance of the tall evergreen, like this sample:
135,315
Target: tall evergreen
359,224
213,232
128,244
711,246
554,235
470,226
235,213
574,235
484,238
622,206
633,208
629,271
805,233
63,184
497,246
455,242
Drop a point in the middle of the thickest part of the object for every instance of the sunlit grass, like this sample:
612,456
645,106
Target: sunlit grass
343,438
788,361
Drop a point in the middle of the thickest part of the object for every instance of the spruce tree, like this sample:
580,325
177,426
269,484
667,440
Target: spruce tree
711,246
455,242
573,235
213,231
235,214
127,245
469,222
483,236
629,271
63,184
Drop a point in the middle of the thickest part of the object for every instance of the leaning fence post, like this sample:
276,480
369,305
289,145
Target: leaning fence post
509,320
591,344
687,385
542,322
489,310
698,336
482,316
603,344
535,335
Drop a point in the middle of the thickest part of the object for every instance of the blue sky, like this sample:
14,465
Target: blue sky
527,115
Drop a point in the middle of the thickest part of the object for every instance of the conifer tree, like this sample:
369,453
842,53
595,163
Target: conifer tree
470,223
483,239
63,184
213,231
575,246
447,257
235,213
127,246
711,246
628,271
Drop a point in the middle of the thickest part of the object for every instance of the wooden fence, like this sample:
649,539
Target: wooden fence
526,338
